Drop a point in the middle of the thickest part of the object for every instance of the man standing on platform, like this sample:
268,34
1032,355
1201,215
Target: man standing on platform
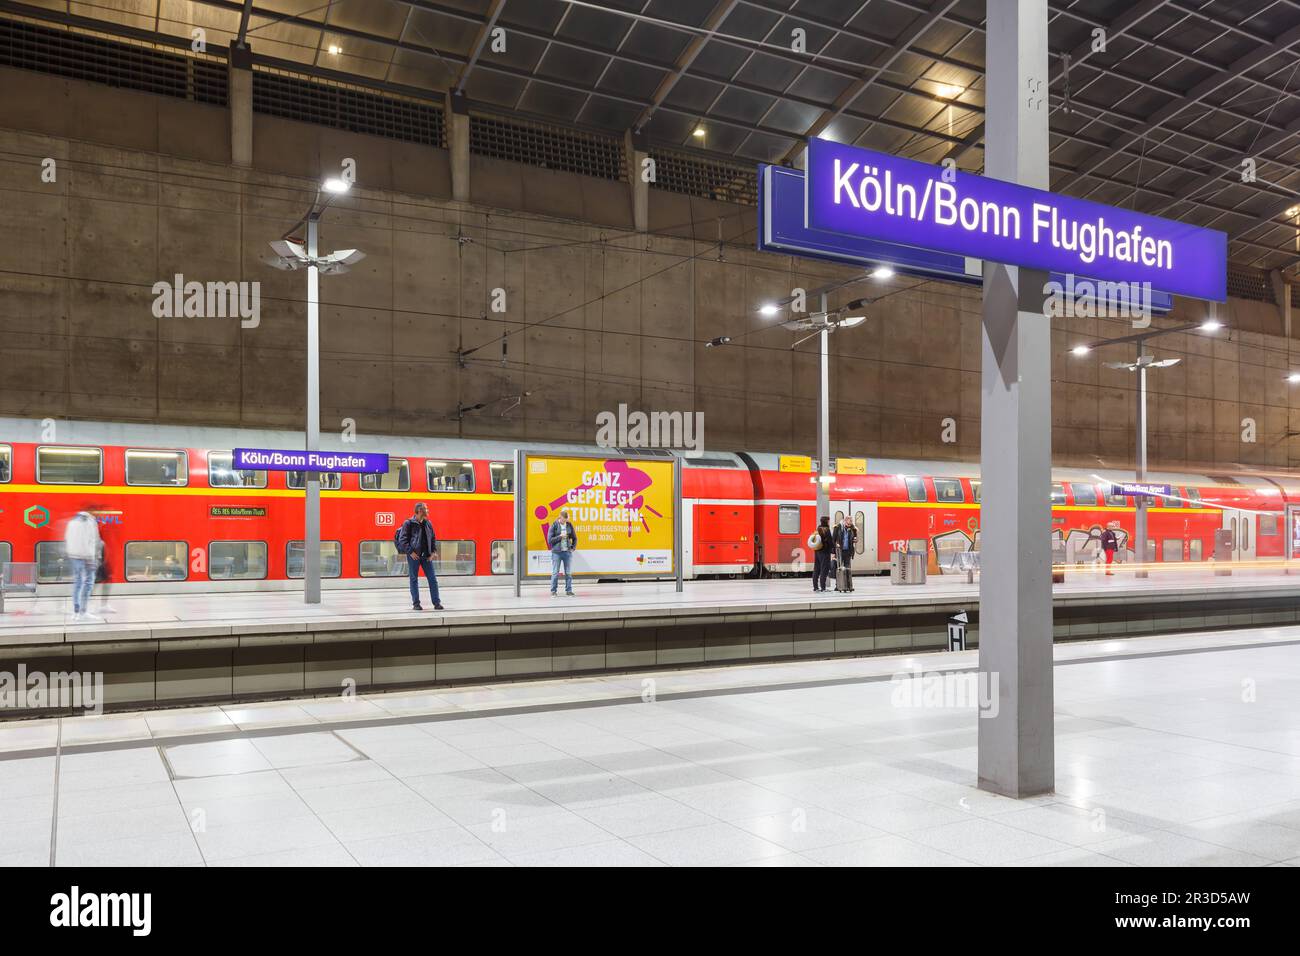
416,540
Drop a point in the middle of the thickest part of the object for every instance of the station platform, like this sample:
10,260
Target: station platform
163,649
793,763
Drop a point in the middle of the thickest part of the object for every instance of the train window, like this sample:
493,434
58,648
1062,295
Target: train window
6,463
1268,524
69,466
1193,498
455,558
787,519
503,476
1245,533
975,489
381,559
1172,549
51,566
331,559
918,544
1194,546
915,489
223,474
329,480
862,538
503,556
1172,501
1084,494
1058,493
450,476
157,468
237,560
156,561
397,478
1117,501
948,489
6,552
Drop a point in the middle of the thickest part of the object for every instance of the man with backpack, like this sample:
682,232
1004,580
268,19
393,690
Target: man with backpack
416,540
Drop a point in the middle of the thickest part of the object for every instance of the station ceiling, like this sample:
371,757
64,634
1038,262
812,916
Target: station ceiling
1160,120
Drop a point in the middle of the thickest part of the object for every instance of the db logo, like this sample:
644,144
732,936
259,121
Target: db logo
385,518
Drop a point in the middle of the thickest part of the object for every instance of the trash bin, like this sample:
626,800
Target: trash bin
907,567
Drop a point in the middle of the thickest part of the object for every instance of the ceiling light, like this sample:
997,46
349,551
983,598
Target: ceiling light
949,92
699,132
335,49
1211,325
883,272
770,309
1081,350
336,185
849,321
1293,377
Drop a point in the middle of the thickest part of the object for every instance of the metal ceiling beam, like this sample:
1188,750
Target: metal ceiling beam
484,31
721,10
241,39
918,27
1194,96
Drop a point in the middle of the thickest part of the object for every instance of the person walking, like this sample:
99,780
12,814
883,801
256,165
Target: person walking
416,540
1109,545
822,543
81,546
846,542
562,540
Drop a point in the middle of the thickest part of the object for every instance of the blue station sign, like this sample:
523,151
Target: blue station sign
863,193
1140,489
782,227
275,459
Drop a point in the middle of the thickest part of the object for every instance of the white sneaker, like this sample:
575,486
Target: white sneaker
91,617
107,609
78,615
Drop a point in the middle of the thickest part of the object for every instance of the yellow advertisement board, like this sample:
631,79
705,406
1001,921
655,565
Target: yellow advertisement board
622,511
799,463
850,466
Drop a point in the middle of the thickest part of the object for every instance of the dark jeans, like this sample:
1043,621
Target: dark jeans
413,566
821,569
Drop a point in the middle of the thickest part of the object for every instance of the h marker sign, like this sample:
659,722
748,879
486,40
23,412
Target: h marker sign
860,192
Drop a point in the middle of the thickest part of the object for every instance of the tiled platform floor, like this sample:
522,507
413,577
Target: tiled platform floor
1170,750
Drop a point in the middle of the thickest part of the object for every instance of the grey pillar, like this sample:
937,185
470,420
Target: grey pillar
1016,755
311,535
239,98
458,145
639,186
1140,550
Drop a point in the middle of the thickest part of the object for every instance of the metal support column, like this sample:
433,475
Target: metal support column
1140,551
1016,747
311,535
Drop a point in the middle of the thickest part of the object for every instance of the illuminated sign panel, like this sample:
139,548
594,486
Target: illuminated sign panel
860,192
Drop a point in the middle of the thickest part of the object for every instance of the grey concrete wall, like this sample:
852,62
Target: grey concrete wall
596,314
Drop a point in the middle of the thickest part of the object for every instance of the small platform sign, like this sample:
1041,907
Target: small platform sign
957,631
795,463
274,459
1141,489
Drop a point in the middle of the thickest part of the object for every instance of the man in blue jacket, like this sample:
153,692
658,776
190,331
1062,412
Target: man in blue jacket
417,541
562,539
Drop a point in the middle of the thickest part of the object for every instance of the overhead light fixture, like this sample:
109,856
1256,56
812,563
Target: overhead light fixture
698,133
335,49
1293,211
949,92
1081,350
849,321
1293,377
883,272
1211,325
336,185
769,309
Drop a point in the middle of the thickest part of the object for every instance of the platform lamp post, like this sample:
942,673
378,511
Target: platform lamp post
821,323
1145,361
292,254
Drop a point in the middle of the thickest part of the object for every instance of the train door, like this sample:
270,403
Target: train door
1242,526
864,519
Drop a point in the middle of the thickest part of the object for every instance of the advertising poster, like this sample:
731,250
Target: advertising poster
621,509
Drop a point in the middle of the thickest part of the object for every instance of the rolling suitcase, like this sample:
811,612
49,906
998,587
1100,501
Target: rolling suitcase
842,580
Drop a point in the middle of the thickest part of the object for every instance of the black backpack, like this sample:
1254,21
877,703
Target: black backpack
397,537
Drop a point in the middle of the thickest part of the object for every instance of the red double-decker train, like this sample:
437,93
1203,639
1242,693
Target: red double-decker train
174,513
